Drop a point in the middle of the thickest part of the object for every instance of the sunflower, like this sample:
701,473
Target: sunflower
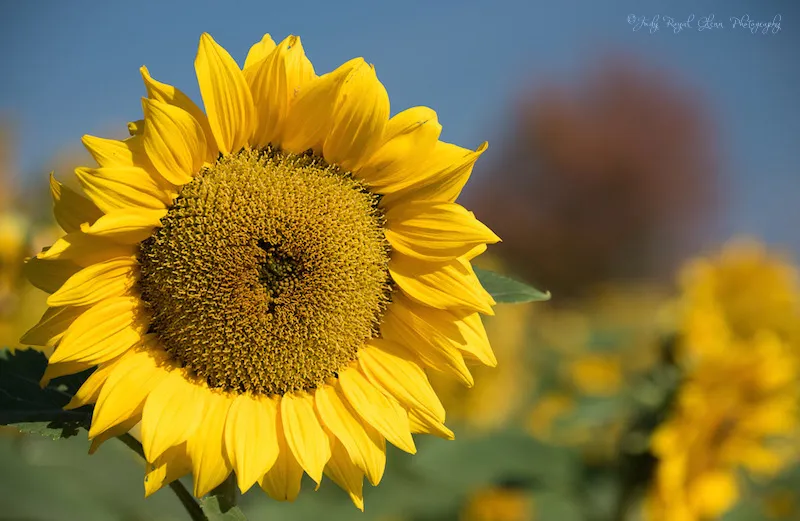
262,286
737,410
499,504
737,407
746,288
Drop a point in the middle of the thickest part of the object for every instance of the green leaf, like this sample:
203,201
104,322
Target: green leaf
506,290
55,429
212,510
31,408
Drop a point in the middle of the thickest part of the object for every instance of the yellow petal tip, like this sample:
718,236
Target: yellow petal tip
73,404
149,490
135,127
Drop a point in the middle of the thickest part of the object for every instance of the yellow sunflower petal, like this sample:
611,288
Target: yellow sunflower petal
259,50
170,466
344,473
441,176
113,432
364,444
70,208
169,94
206,447
52,326
89,391
431,334
304,434
425,424
113,153
99,281
476,342
472,278
49,275
435,231
126,389
311,115
128,226
389,367
409,138
380,411
251,438
79,249
103,332
136,128
445,285
282,481
359,119
124,187
174,141
471,254
58,370
274,82
226,96
171,414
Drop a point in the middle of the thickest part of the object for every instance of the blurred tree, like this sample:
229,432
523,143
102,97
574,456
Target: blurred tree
612,178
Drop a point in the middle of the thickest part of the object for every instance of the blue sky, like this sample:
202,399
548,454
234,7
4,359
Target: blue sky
71,68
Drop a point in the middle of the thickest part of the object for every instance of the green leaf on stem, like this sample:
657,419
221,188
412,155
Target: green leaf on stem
33,408
213,511
506,290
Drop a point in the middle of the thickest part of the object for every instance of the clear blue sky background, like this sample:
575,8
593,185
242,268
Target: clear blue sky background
71,67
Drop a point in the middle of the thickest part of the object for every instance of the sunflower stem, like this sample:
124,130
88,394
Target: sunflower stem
186,499
227,494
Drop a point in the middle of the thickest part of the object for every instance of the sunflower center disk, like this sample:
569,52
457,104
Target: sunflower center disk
269,272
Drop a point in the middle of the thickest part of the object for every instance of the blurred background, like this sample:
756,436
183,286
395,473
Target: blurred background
643,171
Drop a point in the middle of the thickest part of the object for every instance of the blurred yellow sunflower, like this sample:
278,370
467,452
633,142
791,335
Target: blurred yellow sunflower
739,293
13,241
498,504
736,410
262,286
15,230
